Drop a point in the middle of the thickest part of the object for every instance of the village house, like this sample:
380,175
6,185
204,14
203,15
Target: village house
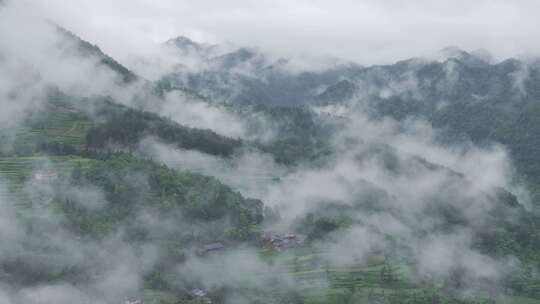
201,294
210,248
282,242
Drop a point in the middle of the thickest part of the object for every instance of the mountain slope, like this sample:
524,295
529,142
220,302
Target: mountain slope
464,96
249,76
347,215
85,48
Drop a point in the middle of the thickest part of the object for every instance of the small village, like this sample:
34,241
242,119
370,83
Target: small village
270,240
278,242
282,241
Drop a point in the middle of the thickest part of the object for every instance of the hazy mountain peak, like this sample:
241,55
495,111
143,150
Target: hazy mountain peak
453,51
483,54
187,46
182,42
237,57
475,58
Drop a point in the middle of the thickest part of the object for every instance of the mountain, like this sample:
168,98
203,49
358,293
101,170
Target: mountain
477,58
186,47
341,91
460,77
135,194
249,76
174,212
463,95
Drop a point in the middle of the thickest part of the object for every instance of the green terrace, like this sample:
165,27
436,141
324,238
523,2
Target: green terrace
55,124
66,128
61,123
15,171
377,279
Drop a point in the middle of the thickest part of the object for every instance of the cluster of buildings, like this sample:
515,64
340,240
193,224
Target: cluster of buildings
282,242
273,240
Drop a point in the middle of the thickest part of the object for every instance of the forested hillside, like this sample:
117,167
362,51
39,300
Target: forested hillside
240,177
464,96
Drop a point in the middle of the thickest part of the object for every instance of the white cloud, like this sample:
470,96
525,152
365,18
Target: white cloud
367,31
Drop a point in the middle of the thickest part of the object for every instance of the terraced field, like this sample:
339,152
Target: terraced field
320,281
56,123
357,283
15,171
66,128
62,123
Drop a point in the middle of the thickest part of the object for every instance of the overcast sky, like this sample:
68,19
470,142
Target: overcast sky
367,31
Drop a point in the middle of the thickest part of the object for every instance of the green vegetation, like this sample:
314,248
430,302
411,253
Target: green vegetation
125,194
89,50
58,127
130,184
16,171
84,214
127,127
302,135
377,279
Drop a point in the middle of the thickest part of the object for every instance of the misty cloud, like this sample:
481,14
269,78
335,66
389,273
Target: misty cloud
401,192
367,31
